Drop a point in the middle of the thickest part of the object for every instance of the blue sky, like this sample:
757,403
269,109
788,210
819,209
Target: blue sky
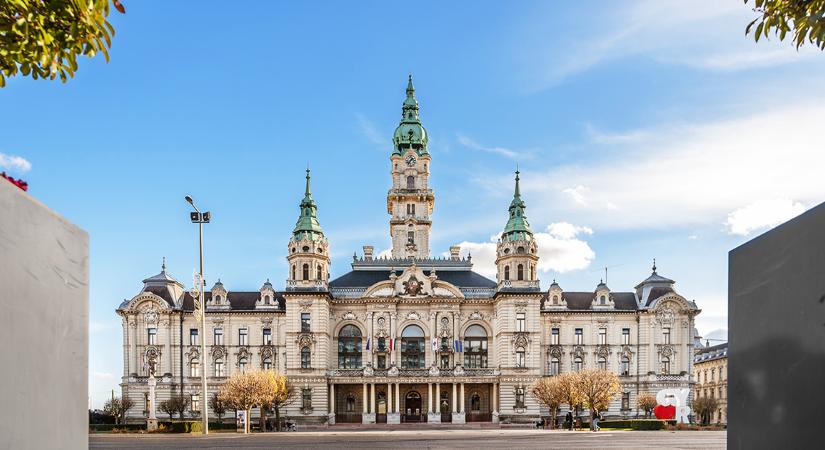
655,129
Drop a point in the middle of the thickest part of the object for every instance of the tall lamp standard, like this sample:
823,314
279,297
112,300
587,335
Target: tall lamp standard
200,308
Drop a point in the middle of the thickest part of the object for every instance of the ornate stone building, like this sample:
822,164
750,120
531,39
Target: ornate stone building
711,368
410,337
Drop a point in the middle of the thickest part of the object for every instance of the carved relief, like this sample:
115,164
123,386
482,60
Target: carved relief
412,315
349,315
475,315
555,351
603,351
444,328
305,305
151,315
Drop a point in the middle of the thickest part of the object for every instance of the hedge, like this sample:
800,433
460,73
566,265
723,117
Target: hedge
637,424
186,426
111,426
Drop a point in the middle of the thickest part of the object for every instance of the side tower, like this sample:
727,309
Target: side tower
410,200
516,252
308,249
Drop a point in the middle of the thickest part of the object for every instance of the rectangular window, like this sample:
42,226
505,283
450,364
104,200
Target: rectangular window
217,337
306,398
411,209
193,336
625,401
554,366
151,336
519,397
411,237
554,336
194,368
602,336
579,336
305,323
219,368
666,335
196,402
382,362
242,337
267,336
521,321
625,336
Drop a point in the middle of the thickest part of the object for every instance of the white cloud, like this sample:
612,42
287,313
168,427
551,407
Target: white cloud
762,214
370,131
102,375
682,175
704,34
560,250
14,163
501,151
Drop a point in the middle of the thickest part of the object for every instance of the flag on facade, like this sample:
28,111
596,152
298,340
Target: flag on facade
435,344
368,342
391,344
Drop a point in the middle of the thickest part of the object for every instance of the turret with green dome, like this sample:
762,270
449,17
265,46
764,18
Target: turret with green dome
307,227
518,228
410,133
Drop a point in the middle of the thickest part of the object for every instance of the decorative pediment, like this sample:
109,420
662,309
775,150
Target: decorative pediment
193,352
556,351
627,350
666,350
349,315
413,283
381,330
145,302
578,352
218,352
475,315
520,340
412,315
305,340
603,351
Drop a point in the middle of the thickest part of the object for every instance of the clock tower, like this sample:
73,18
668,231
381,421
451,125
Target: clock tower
410,199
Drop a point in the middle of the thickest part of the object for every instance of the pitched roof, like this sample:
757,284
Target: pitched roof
711,353
162,292
238,300
656,293
581,301
366,278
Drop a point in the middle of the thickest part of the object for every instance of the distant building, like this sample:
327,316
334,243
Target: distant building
711,366
409,337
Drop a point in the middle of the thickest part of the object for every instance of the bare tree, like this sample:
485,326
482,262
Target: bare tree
117,407
218,406
705,407
646,402
167,407
549,391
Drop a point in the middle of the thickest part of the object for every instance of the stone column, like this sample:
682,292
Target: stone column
369,411
433,416
372,398
651,359
494,406
366,400
152,421
429,397
461,400
393,337
331,415
455,400
438,398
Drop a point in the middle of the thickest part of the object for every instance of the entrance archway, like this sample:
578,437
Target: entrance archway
412,407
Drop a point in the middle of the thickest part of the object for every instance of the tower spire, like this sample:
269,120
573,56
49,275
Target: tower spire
307,226
517,226
410,133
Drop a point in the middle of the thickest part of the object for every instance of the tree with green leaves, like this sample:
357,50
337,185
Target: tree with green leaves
43,38
804,19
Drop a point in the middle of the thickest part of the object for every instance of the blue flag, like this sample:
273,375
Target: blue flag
368,342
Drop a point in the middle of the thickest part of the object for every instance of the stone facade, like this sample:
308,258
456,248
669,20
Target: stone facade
409,337
711,369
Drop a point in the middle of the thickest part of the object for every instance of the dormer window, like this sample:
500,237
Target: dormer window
602,300
217,299
555,299
266,300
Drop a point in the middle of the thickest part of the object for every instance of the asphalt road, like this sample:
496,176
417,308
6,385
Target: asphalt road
429,439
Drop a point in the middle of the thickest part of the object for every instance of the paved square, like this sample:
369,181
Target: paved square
418,439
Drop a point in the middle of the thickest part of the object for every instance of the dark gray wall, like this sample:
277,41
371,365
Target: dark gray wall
44,321
776,296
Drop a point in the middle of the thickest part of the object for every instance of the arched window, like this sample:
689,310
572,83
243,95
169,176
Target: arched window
601,300
219,372
532,272
602,362
306,272
520,272
306,361
475,347
242,365
506,272
412,347
475,402
578,364
555,299
520,250
665,365
194,368
293,271
267,363
625,366
410,182
319,275
520,360
349,347
555,368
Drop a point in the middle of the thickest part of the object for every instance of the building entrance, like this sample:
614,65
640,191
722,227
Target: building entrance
412,407
444,407
381,408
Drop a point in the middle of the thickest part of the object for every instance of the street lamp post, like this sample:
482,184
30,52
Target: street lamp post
201,218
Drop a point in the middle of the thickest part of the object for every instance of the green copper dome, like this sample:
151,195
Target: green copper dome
410,132
307,226
518,228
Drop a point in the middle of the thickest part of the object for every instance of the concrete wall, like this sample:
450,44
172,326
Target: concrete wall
776,356
44,299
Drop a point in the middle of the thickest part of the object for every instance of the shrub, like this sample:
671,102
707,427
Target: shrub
186,426
651,424
112,427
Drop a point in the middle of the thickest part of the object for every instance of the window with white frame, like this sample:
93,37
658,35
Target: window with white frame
602,336
578,364
519,397
520,358
555,367
625,336
306,359
242,364
217,336
602,362
521,321
196,402
194,368
625,370
579,336
665,362
151,336
219,372
625,401
266,363
267,339
193,336
666,335
306,398
243,335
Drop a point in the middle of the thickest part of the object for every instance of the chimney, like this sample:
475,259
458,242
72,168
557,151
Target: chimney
368,252
454,251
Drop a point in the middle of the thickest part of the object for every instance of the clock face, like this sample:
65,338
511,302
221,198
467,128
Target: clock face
411,160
